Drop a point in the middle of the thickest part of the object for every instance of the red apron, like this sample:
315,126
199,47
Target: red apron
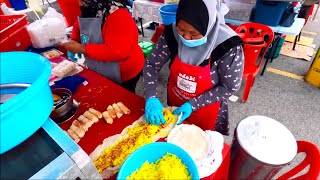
187,81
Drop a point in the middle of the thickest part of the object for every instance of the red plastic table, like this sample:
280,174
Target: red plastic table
101,92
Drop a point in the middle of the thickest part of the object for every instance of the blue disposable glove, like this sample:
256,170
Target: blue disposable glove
73,56
185,109
153,111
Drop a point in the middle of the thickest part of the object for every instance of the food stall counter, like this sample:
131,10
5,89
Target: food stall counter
99,93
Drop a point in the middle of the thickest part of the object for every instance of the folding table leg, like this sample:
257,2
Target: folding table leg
295,42
140,19
273,51
49,3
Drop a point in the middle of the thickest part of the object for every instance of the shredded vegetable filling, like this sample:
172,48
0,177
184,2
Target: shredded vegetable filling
168,167
139,135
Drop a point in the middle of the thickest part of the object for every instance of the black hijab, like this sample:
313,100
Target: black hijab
194,12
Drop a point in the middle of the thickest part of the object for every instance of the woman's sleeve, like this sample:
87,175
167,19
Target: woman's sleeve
229,69
158,57
120,34
75,35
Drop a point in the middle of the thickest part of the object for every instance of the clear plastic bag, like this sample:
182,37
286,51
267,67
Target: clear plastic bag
49,31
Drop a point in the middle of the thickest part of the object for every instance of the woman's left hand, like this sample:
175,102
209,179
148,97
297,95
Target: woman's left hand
74,47
185,109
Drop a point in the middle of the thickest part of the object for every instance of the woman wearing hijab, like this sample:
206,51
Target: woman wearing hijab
206,65
108,37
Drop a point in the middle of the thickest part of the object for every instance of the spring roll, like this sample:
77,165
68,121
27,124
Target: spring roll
107,117
73,135
78,131
123,108
85,120
95,112
111,111
80,125
91,116
117,109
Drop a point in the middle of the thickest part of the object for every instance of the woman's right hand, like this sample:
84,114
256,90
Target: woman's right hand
153,111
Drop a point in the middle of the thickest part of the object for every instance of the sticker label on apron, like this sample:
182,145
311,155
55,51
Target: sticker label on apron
84,39
187,83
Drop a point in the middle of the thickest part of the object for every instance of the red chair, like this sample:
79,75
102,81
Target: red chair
257,38
312,160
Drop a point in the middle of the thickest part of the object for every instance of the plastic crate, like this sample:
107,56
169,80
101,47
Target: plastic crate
269,12
10,24
17,41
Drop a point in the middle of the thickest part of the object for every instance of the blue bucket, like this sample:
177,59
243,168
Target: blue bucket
151,153
24,75
168,13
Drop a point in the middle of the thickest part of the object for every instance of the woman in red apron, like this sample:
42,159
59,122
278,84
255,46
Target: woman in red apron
108,37
206,65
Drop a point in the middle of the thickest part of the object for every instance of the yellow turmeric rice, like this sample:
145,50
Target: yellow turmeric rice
167,167
139,135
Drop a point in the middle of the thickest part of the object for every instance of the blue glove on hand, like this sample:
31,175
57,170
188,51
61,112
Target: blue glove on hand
185,109
153,111
73,56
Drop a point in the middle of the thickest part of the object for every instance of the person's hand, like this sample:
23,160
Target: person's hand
153,111
74,47
185,109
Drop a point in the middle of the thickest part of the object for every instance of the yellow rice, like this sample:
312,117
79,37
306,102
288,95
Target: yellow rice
139,135
167,167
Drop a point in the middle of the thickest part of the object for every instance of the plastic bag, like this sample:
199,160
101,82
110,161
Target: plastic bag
49,31
52,13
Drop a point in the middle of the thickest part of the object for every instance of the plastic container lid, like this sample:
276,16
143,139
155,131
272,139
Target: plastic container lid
267,140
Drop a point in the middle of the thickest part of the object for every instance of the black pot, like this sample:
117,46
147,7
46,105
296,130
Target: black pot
62,106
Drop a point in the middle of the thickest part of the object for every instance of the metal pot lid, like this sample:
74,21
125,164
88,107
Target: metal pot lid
267,140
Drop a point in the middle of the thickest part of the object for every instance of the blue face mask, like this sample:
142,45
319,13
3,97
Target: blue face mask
193,43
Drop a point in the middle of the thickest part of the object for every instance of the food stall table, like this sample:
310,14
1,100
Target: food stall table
146,10
101,92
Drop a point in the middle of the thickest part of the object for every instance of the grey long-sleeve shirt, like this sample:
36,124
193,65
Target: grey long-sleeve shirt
226,76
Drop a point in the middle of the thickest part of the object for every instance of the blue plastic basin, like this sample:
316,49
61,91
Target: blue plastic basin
168,13
26,112
151,153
